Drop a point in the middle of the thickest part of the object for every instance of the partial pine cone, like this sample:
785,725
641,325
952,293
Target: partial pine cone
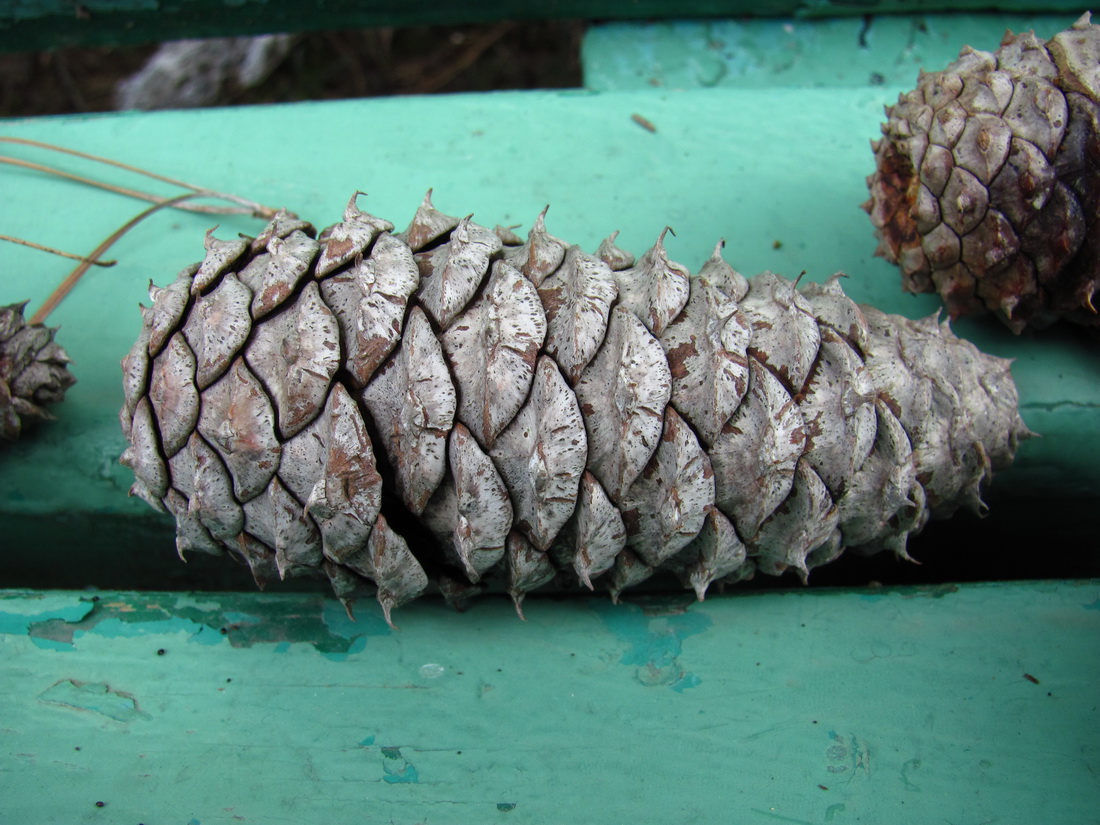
34,372
452,404
987,188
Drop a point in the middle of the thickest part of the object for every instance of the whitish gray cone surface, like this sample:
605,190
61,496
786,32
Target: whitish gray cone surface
988,181
451,404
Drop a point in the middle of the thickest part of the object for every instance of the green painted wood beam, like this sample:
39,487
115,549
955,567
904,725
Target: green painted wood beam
753,166
43,24
967,705
882,51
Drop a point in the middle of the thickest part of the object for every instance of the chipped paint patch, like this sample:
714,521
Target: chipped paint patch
655,641
21,612
96,697
397,769
254,620
336,619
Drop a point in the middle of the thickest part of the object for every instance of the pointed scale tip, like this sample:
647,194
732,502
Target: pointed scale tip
701,590
1089,304
387,607
352,210
517,600
903,553
611,254
471,572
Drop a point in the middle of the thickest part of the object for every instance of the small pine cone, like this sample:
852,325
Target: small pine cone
34,371
453,404
987,188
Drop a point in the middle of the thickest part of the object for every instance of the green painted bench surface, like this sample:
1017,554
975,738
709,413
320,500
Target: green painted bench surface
847,52
823,706
962,706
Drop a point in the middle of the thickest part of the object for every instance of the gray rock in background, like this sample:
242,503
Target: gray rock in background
189,73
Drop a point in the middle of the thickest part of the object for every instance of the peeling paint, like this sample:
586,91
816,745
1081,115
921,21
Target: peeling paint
96,697
59,623
655,640
19,610
397,768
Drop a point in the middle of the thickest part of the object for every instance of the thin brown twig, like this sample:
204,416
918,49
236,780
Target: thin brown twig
52,251
250,207
66,286
99,159
246,207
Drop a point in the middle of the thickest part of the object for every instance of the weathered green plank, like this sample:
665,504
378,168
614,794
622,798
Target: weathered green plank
879,51
42,24
941,705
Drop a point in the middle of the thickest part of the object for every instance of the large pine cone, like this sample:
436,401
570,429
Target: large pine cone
34,371
988,181
451,403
